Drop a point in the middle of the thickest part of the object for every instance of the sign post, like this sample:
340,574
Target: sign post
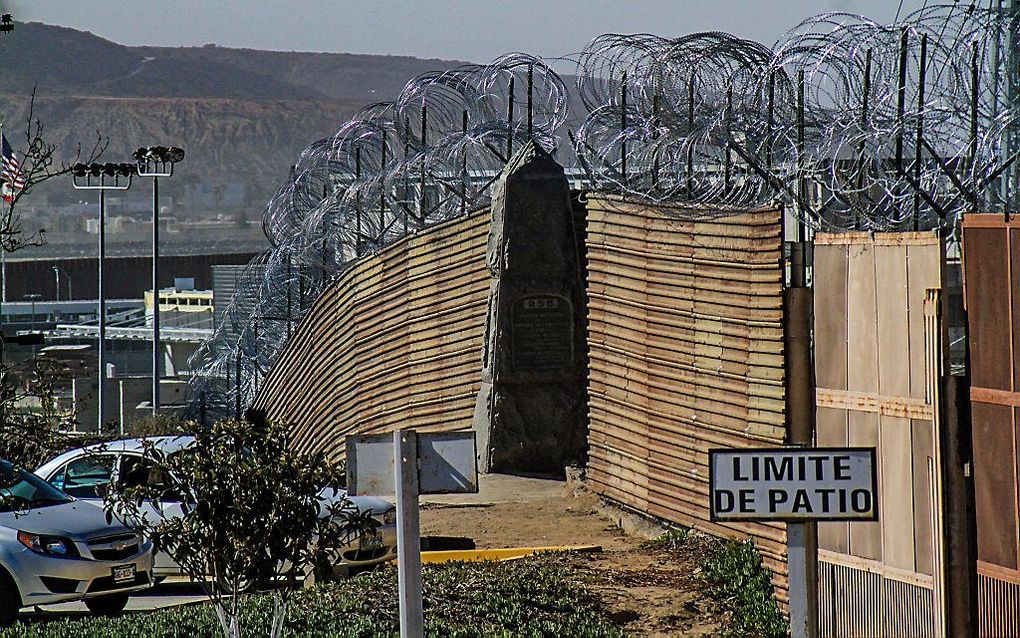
405,449
408,464
800,486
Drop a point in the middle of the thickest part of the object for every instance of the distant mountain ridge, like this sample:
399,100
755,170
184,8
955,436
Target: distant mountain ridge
241,114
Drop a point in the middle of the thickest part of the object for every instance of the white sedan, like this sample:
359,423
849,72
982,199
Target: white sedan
85,472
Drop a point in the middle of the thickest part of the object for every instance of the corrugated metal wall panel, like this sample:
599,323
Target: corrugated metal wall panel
686,340
395,341
998,604
864,600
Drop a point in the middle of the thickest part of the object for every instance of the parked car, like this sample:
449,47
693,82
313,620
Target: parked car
85,472
54,548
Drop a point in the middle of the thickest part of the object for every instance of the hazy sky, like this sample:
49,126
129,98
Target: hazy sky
475,31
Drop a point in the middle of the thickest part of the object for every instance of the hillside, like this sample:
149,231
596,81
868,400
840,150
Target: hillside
242,115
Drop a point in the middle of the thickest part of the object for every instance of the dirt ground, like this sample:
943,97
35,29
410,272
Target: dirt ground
648,592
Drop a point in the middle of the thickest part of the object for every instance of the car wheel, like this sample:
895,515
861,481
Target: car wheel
10,602
110,605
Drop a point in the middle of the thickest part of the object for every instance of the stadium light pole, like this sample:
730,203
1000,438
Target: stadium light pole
6,23
102,177
156,162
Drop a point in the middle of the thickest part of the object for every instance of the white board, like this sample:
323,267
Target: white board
447,464
793,484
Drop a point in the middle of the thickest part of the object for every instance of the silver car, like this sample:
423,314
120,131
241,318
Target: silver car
85,472
54,549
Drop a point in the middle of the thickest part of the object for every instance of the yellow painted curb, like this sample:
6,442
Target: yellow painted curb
508,553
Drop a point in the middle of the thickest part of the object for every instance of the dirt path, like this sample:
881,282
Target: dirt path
644,590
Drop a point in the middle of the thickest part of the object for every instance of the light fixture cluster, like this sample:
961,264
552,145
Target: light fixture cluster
103,176
157,161
6,23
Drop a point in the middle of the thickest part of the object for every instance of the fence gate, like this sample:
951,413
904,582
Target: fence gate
991,268
874,377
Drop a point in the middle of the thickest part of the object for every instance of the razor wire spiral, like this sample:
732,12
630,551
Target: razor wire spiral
853,124
391,170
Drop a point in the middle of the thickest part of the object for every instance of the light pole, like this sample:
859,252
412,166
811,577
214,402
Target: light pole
57,271
102,178
156,162
33,298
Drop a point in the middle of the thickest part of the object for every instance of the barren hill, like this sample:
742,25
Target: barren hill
242,115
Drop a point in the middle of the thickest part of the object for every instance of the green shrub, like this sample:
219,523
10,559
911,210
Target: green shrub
738,578
462,600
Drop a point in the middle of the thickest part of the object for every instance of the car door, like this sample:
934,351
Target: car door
134,470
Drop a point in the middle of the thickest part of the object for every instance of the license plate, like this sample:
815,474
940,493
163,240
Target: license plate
123,573
371,540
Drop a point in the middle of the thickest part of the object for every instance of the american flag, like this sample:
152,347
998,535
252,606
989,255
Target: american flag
10,171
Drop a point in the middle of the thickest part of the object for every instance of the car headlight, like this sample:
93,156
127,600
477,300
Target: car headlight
389,517
47,545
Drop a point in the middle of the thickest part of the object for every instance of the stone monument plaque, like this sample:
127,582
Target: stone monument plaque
543,332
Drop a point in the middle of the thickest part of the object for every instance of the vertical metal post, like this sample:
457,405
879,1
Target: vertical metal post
325,235
405,468
801,195
382,190
407,183
357,202
690,132
728,168
102,310
770,116
237,381
156,353
974,90
623,129
510,120
921,71
865,108
901,97
801,538
463,165
656,98
531,88
290,269
424,141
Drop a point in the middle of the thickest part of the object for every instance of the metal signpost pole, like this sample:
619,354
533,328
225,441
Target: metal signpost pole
405,470
102,310
156,353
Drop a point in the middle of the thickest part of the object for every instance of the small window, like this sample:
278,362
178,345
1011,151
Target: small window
86,477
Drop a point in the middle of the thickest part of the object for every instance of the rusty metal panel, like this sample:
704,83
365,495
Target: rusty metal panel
394,341
991,266
994,484
988,316
686,346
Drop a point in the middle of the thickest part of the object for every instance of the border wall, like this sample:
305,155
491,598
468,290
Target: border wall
394,341
685,334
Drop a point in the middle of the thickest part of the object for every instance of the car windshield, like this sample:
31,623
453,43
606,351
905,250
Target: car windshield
21,490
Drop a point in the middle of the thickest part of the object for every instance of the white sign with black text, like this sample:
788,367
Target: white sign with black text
793,484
